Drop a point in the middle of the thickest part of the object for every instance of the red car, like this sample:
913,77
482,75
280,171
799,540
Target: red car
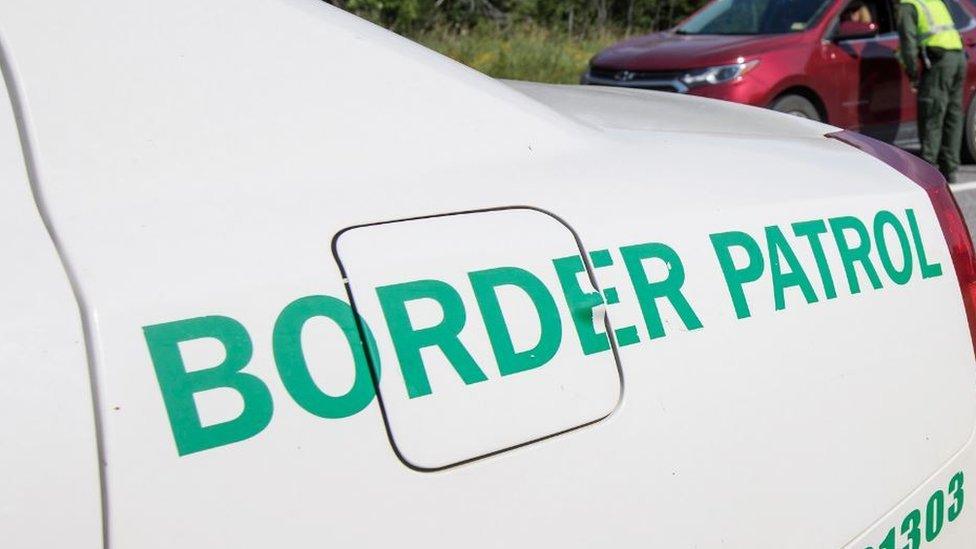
830,60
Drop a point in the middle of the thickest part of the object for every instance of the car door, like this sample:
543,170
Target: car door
883,106
963,19
876,98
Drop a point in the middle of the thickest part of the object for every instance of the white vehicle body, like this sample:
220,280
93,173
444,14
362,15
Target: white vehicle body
183,180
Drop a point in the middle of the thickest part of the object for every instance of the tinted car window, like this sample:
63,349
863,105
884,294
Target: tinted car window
754,17
879,11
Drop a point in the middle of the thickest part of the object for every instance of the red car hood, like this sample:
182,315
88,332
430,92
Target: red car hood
663,51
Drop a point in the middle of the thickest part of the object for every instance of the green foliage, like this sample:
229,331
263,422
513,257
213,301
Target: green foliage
520,52
540,40
579,17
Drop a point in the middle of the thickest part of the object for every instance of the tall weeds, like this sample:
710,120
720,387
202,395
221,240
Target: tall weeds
523,51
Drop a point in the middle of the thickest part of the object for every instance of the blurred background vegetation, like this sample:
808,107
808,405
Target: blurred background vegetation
541,40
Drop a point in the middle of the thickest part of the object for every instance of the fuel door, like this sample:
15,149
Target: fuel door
474,347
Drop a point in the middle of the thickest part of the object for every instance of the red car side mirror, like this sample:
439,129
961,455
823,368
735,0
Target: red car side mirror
849,30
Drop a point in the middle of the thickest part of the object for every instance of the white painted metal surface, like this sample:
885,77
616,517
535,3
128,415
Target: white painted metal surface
198,159
524,377
49,473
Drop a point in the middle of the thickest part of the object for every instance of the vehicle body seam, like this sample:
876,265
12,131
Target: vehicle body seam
84,312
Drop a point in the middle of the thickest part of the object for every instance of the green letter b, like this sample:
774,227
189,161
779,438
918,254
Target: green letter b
178,385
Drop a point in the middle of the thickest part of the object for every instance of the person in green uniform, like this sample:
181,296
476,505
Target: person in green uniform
931,52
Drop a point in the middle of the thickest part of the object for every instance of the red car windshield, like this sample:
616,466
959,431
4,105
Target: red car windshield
754,17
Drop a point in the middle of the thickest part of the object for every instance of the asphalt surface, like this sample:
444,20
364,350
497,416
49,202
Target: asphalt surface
965,191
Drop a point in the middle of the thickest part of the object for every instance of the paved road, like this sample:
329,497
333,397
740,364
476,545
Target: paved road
967,173
965,192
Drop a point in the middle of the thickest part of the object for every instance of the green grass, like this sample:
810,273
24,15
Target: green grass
519,52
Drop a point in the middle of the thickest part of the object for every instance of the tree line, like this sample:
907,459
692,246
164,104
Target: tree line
577,17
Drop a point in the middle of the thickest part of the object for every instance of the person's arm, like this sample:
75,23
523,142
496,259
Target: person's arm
908,37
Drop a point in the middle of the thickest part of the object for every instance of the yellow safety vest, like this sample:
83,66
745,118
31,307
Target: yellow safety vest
935,26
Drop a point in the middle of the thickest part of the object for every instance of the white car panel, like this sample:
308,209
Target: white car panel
630,109
199,158
49,485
